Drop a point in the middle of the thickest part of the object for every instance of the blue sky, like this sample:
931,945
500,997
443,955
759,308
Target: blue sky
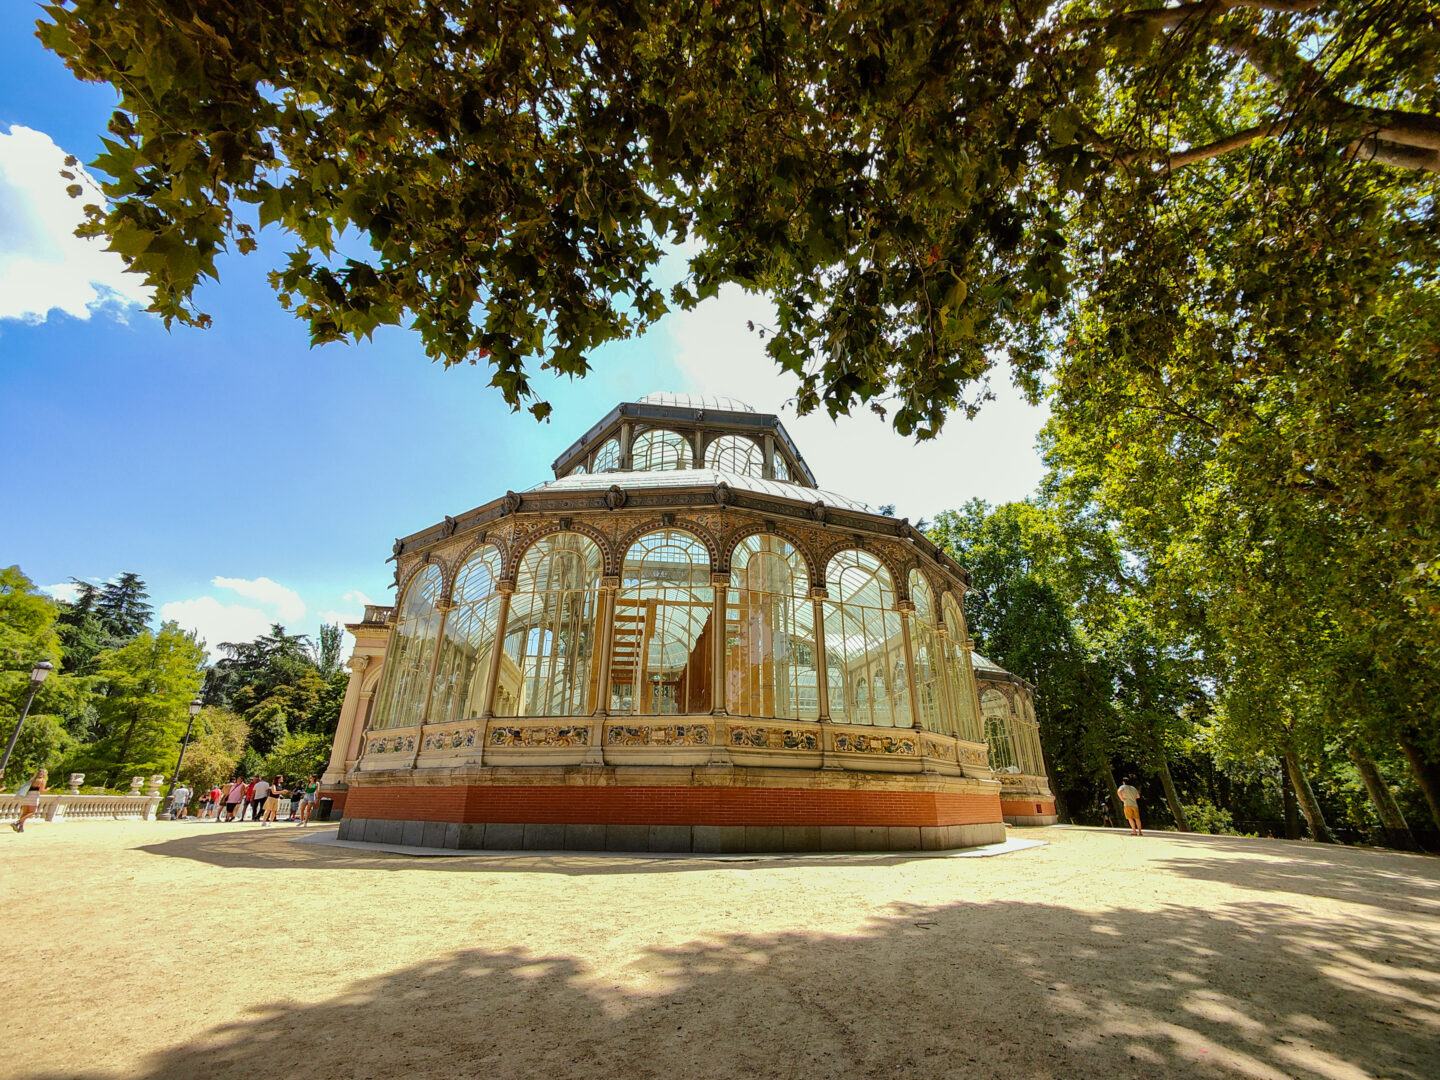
247,476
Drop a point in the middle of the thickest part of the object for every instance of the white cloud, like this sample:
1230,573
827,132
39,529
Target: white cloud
289,608
215,622
44,266
992,457
66,590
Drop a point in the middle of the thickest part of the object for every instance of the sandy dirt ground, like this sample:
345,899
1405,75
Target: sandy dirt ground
204,951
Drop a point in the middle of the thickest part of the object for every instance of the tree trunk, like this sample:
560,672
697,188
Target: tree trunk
1397,832
1062,809
1177,811
1427,775
1115,803
125,745
1292,811
1309,805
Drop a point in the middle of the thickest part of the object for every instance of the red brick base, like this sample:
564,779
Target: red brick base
1027,808
670,806
337,799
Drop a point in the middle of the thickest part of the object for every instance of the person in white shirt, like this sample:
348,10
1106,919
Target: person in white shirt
257,799
179,802
1130,796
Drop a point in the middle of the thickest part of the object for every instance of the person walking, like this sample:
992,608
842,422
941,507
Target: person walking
1130,796
234,797
275,793
259,796
307,801
212,802
179,802
30,798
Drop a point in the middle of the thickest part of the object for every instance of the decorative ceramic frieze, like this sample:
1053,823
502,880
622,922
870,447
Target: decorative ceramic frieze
849,742
774,738
397,744
974,755
459,739
658,735
936,748
568,735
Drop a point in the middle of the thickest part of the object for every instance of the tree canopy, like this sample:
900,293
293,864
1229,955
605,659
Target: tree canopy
905,179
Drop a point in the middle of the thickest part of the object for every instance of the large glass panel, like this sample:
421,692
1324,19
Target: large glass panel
663,652
782,472
863,642
406,680
962,674
658,450
995,710
736,454
462,672
770,633
550,667
607,458
925,643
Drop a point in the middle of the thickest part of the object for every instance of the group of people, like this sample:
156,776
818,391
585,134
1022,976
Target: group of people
262,798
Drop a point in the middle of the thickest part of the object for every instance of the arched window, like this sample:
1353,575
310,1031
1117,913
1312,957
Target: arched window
770,633
658,450
782,471
549,667
996,712
406,680
862,634
736,454
662,657
462,671
961,673
925,642
607,458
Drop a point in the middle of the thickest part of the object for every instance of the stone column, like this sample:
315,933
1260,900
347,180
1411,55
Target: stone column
609,588
767,469
818,596
363,705
444,606
907,611
506,589
720,584
344,730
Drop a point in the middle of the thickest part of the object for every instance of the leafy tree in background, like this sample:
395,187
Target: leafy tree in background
29,634
326,653
1020,620
149,685
219,741
123,606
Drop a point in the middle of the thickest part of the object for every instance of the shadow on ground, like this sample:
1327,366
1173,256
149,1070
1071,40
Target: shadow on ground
999,989
254,850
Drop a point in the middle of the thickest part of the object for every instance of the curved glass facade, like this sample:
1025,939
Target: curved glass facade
548,667
770,633
462,667
863,642
735,454
662,653
935,712
406,682
995,709
659,450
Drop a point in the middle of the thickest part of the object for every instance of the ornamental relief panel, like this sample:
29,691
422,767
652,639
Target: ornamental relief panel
974,755
774,738
460,739
558,735
397,744
661,735
937,749
850,742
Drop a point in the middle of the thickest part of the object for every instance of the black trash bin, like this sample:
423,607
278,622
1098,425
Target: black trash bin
323,813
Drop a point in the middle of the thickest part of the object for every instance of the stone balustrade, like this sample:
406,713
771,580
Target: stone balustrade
65,806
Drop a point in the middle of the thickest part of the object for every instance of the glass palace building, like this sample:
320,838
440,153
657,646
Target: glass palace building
681,643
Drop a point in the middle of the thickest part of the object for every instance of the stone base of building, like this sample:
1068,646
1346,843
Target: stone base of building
1029,811
666,809
707,839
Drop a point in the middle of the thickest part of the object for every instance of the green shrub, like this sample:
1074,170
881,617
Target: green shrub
1207,818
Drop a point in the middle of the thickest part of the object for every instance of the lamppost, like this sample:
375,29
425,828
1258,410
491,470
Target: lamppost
195,707
37,676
